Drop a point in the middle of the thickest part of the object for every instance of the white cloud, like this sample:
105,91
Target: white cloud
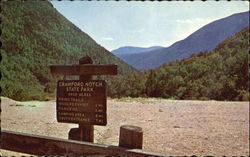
195,20
107,39
187,26
184,21
140,30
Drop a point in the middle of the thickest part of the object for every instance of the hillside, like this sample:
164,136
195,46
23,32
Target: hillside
126,52
220,74
204,39
34,36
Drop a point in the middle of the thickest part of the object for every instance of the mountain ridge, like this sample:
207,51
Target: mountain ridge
204,39
218,74
125,52
133,49
35,36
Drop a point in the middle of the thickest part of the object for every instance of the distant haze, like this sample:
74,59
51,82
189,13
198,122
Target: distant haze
144,24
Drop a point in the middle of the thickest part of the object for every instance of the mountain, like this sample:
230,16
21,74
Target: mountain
126,52
132,50
219,74
34,36
204,39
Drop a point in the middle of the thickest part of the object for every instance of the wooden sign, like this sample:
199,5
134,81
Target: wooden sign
82,102
79,103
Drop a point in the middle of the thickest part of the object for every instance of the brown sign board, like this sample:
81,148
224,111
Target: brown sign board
82,102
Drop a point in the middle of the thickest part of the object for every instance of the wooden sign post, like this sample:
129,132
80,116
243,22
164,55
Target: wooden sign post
82,101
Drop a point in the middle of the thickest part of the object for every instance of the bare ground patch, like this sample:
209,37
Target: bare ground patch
170,127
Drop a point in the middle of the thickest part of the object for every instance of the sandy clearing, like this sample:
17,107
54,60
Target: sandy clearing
170,127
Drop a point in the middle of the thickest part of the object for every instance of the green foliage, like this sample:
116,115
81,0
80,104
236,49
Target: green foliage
35,36
221,74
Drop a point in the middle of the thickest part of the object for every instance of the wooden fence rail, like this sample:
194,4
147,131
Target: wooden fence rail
42,145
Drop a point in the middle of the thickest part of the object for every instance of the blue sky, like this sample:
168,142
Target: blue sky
115,24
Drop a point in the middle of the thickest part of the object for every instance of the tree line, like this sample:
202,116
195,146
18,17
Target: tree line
220,74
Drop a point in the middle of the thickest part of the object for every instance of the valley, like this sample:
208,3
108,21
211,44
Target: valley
182,72
191,98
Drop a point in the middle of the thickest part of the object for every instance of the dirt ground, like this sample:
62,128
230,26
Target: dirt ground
169,127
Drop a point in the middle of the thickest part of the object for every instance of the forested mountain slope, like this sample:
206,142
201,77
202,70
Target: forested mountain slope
34,36
220,74
204,39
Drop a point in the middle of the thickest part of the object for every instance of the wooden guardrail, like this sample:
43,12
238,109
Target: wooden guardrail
42,145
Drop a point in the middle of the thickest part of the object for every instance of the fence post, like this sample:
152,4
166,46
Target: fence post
131,137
